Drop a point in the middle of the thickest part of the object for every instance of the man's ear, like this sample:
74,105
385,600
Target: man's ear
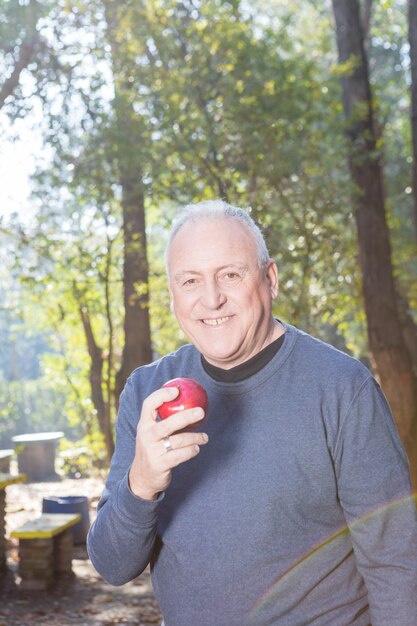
272,277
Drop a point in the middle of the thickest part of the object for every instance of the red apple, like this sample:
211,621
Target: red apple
191,394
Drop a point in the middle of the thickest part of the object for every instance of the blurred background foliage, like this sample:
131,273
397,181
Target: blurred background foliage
154,104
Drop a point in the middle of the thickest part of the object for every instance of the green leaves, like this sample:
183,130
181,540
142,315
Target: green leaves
180,102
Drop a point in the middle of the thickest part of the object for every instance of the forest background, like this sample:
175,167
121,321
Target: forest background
306,112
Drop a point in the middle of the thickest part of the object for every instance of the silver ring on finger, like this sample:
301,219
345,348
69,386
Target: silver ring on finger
167,443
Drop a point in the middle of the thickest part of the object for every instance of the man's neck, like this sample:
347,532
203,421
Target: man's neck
248,368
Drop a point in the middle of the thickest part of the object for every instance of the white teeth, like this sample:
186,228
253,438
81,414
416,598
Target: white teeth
215,322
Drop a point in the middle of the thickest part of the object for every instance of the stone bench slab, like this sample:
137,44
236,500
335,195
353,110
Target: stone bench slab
46,526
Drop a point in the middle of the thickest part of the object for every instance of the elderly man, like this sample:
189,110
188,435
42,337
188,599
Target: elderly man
294,506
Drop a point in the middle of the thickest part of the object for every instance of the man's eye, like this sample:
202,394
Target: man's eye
230,277
190,282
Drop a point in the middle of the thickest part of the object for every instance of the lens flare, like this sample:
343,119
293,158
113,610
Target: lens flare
304,578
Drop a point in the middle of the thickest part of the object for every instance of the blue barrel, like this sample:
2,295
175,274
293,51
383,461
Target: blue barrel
70,504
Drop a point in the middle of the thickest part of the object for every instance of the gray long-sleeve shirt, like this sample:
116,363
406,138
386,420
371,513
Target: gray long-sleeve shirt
298,512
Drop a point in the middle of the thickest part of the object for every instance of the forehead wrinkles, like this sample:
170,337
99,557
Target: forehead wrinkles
211,244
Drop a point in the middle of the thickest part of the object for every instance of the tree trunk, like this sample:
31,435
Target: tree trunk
389,350
137,348
366,21
412,38
96,383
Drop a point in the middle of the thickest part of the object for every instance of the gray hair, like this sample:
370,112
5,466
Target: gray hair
218,209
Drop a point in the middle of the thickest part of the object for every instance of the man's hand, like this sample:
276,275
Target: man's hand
150,472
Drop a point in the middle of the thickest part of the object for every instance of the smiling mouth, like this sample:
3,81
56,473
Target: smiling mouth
215,322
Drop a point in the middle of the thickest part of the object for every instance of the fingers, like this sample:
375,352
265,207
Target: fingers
180,441
150,472
181,447
180,421
152,403
177,457
175,422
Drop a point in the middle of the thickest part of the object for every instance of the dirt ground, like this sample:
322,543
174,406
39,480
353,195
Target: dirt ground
83,599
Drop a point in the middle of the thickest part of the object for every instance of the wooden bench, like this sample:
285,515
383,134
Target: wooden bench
45,549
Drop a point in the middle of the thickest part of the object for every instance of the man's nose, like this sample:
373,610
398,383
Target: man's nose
212,296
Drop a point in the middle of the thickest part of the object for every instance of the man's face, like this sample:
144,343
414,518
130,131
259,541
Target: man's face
220,296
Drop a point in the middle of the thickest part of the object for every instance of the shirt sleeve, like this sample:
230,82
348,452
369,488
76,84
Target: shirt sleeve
121,540
376,496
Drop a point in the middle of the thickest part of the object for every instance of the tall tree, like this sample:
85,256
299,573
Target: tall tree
388,327
129,136
66,268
